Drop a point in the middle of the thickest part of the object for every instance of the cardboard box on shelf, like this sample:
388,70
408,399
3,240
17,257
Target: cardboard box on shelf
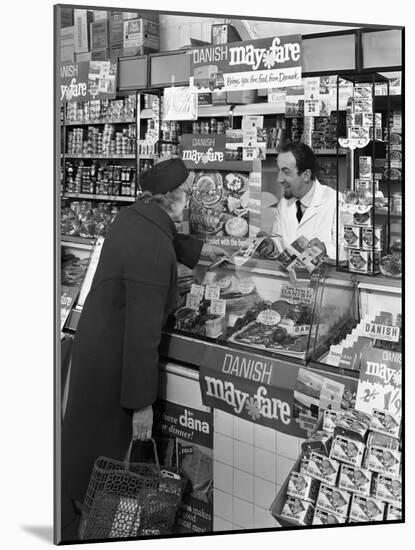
100,15
66,17
100,55
67,45
218,98
149,15
139,34
242,96
82,20
80,57
204,99
99,35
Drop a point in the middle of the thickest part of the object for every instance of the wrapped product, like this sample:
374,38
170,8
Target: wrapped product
303,487
381,440
334,500
330,419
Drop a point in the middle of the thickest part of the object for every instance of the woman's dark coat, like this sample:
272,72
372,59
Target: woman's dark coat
115,354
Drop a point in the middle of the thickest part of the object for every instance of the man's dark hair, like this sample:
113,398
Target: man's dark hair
304,156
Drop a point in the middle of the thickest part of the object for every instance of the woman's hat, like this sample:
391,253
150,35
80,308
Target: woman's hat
165,176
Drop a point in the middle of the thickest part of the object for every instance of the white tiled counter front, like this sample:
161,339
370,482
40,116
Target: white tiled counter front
250,464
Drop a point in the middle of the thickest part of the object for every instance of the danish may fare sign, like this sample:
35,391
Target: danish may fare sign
264,63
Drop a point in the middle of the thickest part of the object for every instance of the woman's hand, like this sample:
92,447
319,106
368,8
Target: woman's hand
143,423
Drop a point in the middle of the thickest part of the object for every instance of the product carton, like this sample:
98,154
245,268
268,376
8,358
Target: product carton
100,55
366,509
323,517
347,450
355,480
82,20
323,468
330,419
385,422
297,511
67,53
116,30
241,96
334,500
99,15
388,488
393,512
81,57
66,17
303,487
99,35
139,34
370,234
352,236
382,460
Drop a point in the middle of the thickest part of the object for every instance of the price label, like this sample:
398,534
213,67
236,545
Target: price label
197,290
296,294
269,317
380,383
246,286
218,307
212,292
192,301
297,330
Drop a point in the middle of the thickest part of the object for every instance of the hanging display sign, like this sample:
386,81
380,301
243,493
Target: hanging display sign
380,383
262,390
255,64
200,150
88,80
180,104
186,437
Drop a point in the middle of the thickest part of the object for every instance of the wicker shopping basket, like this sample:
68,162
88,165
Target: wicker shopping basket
130,499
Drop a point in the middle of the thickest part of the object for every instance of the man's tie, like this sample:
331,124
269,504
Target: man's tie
299,211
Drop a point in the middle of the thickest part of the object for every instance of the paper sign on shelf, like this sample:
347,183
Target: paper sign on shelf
192,301
252,121
212,292
297,294
218,307
68,298
380,381
197,290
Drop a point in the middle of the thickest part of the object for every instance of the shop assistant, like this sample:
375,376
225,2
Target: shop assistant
113,380
307,207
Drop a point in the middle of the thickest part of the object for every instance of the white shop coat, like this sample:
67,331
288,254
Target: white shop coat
318,221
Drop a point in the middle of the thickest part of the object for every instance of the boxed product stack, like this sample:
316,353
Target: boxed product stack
395,138
140,37
381,330
349,471
360,118
324,135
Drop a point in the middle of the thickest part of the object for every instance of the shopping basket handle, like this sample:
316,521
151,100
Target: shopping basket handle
128,454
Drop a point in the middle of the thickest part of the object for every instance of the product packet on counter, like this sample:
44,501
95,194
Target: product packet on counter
331,418
303,487
355,480
386,423
365,508
393,512
348,450
304,465
323,468
334,500
323,517
320,441
381,460
380,440
388,488
297,511
352,425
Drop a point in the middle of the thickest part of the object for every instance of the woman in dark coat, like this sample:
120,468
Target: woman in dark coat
113,379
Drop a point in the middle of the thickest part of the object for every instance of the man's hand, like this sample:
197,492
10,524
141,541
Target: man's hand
267,247
319,244
212,252
143,423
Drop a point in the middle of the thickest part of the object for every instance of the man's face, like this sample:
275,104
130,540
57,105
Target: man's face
294,184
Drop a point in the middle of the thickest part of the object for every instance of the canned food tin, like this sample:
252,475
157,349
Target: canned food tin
196,128
220,128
